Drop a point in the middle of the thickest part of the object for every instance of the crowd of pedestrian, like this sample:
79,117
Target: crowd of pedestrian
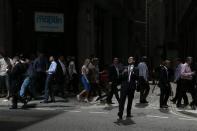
23,79
135,76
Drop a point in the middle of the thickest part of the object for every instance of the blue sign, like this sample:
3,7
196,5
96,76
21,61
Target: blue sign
49,22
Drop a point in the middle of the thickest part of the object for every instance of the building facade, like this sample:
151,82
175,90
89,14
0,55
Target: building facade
111,28
181,28
104,28
187,28
21,33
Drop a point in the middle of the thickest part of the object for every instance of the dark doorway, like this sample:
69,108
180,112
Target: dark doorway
51,44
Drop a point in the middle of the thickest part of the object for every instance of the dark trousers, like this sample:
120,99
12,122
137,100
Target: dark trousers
187,86
179,94
5,85
39,81
114,90
95,89
184,87
59,83
48,88
126,92
74,84
144,89
14,89
164,94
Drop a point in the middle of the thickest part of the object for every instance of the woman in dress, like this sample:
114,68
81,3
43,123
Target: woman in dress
85,81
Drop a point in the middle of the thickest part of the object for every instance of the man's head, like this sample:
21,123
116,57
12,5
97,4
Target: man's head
51,58
86,62
189,60
178,61
16,59
167,63
115,61
143,59
95,61
61,58
131,60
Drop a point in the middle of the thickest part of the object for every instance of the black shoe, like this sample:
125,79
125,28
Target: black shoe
144,102
53,101
178,105
23,100
24,106
129,116
13,107
120,116
29,99
7,97
173,101
110,103
44,101
193,107
164,106
186,104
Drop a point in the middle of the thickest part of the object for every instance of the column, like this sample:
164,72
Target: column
5,26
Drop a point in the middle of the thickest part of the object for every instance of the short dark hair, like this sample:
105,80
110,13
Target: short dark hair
143,58
188,58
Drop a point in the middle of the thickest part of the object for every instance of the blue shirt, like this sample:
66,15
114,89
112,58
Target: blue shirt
52,68
178,72
143,70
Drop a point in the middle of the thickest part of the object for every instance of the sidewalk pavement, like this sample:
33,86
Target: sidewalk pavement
60,104
72,103
187,111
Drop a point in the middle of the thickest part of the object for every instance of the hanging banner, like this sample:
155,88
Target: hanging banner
49,22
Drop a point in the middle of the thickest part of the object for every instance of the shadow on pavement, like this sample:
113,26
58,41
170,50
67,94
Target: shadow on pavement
140,114
55,106
125,122
109,108
13,120
188,113
65,100
140,105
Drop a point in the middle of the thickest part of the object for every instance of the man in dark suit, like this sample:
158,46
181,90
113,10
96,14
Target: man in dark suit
129,77
114,75
164,83
16,77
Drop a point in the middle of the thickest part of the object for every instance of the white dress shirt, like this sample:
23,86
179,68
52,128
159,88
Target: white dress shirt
130,70
4,66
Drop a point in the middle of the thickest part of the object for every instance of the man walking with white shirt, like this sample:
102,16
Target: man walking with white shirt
187,83
49,80
143,80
